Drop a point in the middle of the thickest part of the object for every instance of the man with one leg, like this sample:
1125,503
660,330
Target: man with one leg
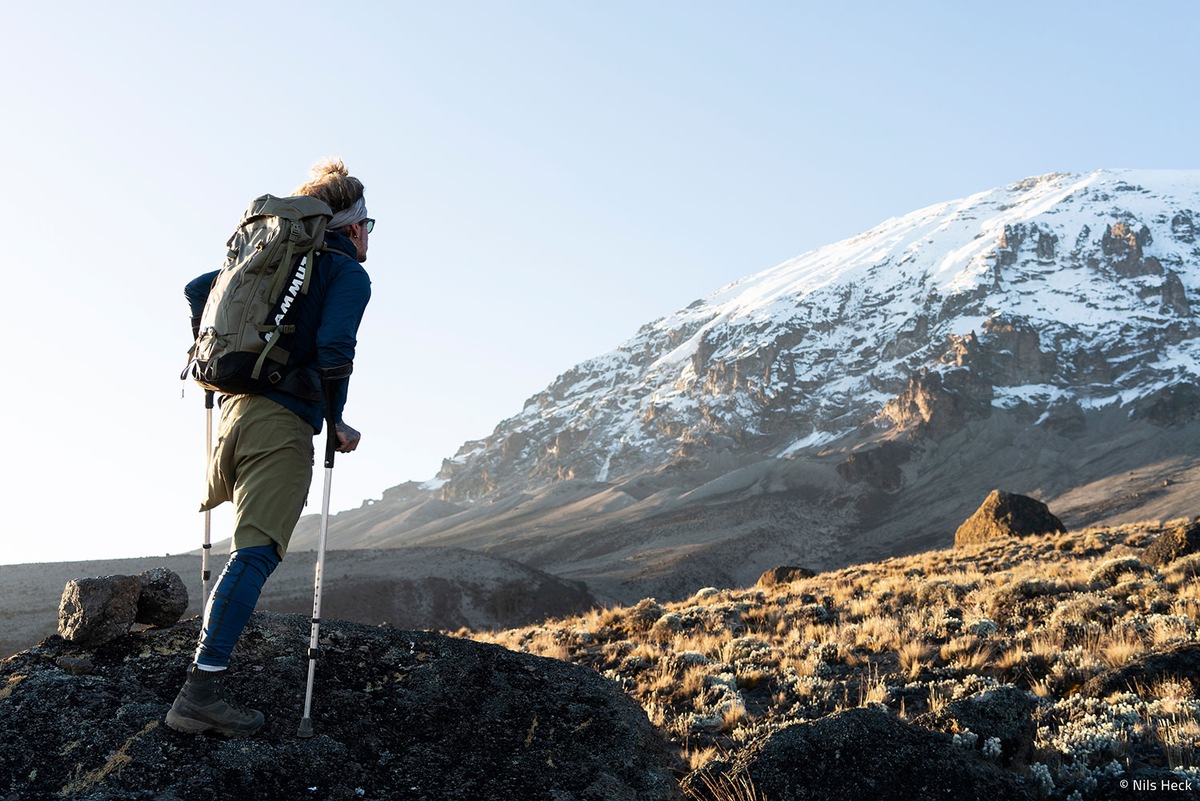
264,454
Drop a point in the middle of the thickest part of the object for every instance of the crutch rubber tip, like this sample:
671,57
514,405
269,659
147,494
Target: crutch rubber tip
306,730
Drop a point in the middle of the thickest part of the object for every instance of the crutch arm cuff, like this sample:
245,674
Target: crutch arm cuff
337,373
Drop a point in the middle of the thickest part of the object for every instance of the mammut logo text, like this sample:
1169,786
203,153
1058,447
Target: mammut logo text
289,297
292,291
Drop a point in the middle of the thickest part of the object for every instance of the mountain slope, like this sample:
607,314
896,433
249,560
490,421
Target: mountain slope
856,401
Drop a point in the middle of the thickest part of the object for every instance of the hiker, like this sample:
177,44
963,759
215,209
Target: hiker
263,460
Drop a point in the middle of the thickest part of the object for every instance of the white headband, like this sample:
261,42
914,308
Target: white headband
356,213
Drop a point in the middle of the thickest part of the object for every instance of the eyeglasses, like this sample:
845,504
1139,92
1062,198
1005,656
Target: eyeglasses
369,223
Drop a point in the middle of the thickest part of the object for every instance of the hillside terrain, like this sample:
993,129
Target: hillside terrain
1070,660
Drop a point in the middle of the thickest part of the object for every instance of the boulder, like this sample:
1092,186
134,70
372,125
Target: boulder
1003,713
864,753
1141,674
1004,515
94,610
163,598
1179,541
784,574
396,714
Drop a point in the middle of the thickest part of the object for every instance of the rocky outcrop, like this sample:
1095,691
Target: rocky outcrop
878,467
1179,541
1005,514
785,574
396,715
1170,407
865,753
936,406
1124,248
1174,296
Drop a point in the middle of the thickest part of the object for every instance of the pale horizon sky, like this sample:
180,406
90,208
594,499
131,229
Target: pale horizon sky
546,176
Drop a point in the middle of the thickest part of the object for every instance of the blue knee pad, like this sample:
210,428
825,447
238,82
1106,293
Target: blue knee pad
232,601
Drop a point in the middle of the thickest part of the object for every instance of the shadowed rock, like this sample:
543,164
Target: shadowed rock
1177,542
1181,662
1004,713
396,715
867,753
1004,515
163,598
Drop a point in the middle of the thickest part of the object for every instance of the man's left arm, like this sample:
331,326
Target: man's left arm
345,302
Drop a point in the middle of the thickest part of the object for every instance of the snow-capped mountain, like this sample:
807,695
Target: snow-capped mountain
1060,289
858,401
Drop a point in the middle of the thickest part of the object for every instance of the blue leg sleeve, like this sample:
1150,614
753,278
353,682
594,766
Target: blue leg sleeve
232,601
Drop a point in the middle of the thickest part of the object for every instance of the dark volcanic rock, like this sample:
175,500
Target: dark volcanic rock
867,753
1003,515
1180,662
1177,542
397,715
1005,713
163,599
93,610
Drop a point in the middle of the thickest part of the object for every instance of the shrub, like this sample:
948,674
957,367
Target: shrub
1112,571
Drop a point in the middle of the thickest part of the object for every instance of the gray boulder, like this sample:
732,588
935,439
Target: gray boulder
95,610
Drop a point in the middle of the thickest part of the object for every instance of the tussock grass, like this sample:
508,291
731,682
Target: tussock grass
1044,614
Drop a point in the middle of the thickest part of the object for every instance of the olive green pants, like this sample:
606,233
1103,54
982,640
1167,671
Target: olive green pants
263,463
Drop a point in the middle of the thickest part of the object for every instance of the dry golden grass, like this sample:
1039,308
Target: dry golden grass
1044,614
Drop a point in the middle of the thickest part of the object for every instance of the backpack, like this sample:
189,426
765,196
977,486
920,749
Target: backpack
241,347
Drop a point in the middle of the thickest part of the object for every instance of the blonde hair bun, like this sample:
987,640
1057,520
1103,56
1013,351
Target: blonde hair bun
332,183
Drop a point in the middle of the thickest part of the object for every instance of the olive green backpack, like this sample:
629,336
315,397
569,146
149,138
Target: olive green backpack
241,346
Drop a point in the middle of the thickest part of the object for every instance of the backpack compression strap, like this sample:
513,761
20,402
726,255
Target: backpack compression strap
277,283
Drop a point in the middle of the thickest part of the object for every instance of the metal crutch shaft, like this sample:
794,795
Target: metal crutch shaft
306,727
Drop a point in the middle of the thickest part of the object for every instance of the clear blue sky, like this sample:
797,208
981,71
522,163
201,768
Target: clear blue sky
547,177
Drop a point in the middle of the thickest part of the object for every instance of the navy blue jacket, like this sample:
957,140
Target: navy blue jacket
326,322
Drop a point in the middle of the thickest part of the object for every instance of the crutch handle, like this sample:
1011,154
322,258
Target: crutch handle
329,378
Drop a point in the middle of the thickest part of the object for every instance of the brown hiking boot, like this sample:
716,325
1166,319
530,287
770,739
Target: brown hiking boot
203,706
